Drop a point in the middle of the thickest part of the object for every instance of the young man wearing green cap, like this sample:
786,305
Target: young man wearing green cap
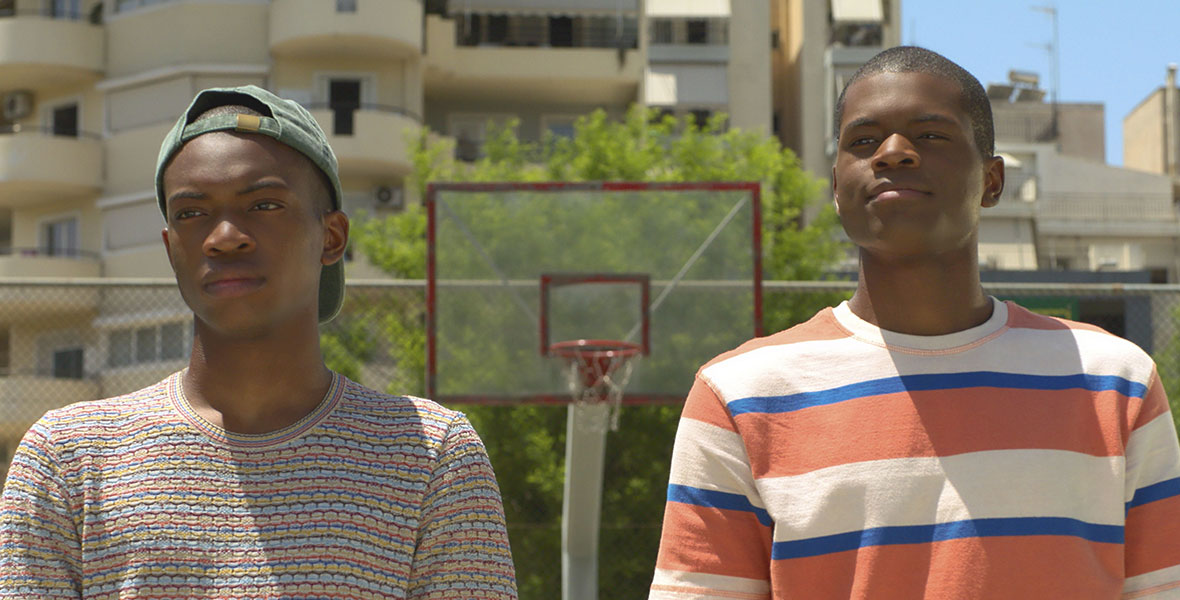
256,472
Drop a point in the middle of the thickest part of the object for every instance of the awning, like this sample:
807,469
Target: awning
697,85
688,8
545,7
857,11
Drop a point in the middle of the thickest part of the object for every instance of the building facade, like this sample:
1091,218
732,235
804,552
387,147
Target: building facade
88,89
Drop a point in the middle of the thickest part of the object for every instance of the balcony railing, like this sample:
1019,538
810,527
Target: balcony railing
53,10
344,116
546,31
1104,207
49,252
56,131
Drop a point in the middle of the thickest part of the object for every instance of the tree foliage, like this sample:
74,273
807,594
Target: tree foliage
526,443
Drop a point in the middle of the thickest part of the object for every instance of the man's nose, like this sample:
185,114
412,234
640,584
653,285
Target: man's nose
227,236
896,151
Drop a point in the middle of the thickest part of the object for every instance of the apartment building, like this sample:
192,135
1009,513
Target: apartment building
88,88
1064,208
1151,137
816,46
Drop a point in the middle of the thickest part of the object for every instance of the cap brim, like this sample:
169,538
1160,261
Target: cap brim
331,290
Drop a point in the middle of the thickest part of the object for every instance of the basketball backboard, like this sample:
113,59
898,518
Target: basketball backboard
516,267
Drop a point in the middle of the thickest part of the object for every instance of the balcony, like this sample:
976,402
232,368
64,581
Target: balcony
529,63
35,164
372,141
1100,214
44,262
24,397
320,29
28,301
39,51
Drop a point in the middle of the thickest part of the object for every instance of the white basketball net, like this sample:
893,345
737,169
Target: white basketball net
607,377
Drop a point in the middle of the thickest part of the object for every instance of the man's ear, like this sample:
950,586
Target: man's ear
167,246
993,181
335,237
835,197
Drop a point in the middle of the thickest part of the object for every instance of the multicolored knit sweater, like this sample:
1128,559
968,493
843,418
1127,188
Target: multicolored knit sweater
369,496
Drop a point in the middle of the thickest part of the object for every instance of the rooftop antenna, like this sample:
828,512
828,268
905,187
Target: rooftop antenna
1054,49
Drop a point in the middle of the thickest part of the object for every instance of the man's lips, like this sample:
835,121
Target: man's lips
233,286
895,192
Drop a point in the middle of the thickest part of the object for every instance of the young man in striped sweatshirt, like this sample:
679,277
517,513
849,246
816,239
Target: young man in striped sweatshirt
923,440
256,472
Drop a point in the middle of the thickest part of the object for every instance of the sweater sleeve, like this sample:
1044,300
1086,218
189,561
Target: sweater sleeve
40,549
1153,501
716,539
462,550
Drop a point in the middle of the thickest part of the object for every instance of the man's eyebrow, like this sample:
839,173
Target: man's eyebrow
861,122
935,118
262,185
186,195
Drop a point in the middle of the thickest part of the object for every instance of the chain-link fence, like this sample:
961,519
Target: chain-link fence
65,341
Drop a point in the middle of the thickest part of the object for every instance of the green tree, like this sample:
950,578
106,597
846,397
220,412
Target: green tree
1167,360
526,443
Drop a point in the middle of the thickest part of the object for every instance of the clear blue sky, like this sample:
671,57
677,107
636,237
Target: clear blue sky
1111,52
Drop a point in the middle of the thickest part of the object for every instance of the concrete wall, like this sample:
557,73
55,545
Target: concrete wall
1143,135
749,74
1080,126
178,33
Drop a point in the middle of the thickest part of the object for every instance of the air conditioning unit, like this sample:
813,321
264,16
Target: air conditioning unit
389,197
17,105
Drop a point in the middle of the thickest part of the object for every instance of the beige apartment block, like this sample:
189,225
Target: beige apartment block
1063,207
1151,131
89,88
816,46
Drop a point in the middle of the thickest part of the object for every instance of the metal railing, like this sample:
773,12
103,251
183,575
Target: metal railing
376,341
49,252
365,106
19,129
527,31
51,10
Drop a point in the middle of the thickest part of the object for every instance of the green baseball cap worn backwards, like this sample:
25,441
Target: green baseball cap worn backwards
285,121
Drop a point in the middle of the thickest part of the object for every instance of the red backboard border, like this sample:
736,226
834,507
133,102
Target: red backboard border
429,203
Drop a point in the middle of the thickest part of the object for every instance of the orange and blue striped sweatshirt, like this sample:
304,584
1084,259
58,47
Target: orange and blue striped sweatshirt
369,496
1028,457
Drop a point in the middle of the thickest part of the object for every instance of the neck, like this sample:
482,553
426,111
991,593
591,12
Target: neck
256,385
928,296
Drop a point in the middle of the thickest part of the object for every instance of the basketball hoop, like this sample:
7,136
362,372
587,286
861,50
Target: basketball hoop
596,372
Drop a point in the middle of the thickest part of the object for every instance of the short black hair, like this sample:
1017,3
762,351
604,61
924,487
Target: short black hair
322,201
913,59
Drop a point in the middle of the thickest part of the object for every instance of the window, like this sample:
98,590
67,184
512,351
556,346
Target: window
560,126
60,237
64,120
561,32
119,349
140,345
344,98
67,363
172,341
700,117
66,9
497,29
346,6
698,31
663,31
126,5
4,352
